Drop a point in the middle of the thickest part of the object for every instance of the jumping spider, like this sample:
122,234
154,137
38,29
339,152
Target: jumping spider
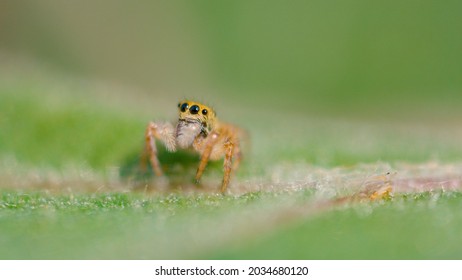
198,129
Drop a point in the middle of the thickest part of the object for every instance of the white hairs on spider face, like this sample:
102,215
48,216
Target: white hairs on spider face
186,132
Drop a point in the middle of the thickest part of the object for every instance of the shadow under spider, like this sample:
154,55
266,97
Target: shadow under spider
179,170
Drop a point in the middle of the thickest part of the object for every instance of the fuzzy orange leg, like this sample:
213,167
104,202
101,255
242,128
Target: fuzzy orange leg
151,149
206,156
237,157
227,165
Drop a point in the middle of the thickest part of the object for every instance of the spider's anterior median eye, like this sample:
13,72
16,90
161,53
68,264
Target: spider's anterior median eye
184,107
204,112
194,109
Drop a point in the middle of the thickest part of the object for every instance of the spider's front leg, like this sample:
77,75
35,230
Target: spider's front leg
231,148
165,132
213,138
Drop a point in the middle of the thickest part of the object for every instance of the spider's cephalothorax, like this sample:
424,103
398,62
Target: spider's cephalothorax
199,129
195,120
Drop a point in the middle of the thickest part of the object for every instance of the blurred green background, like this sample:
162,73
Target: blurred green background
331,92
335,58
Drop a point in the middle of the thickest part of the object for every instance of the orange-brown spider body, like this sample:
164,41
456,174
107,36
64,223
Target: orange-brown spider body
198,129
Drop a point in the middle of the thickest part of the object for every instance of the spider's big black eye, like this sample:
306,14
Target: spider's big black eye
184,107
204,112
194,109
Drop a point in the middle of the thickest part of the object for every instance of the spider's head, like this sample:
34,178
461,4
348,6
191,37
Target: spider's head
195,118
192,111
